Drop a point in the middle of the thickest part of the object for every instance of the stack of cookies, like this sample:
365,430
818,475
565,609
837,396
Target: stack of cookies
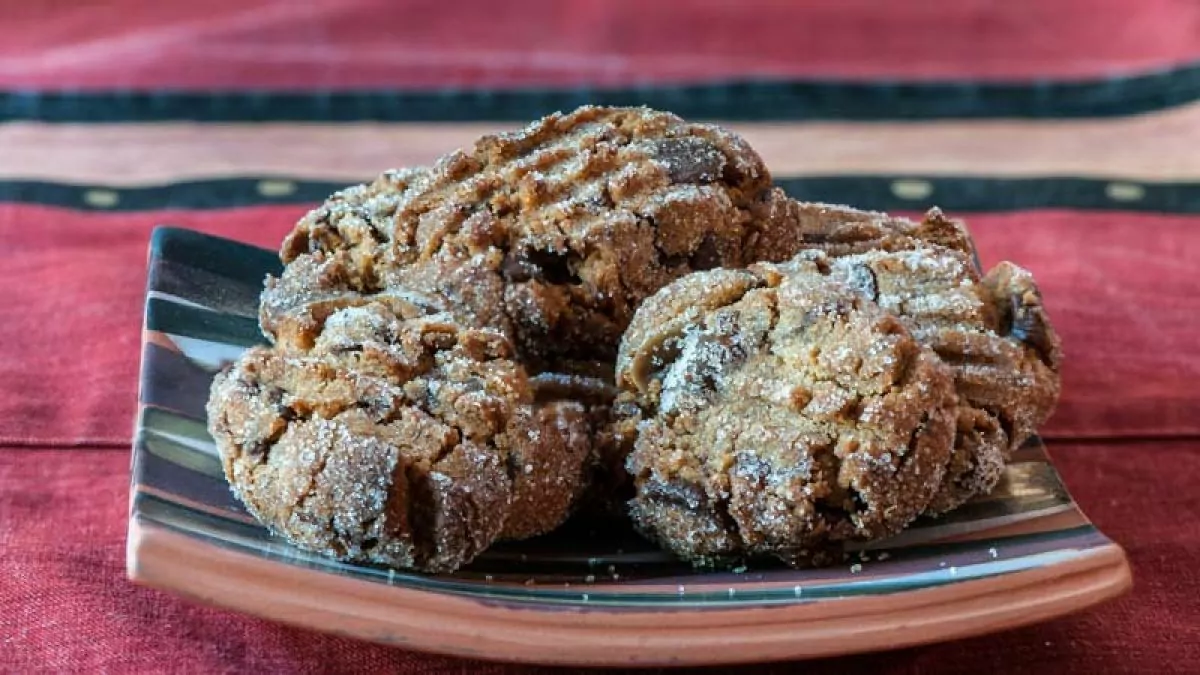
616,310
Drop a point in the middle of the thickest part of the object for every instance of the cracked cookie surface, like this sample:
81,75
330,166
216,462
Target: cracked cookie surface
405,440
552,234
780,415
994,334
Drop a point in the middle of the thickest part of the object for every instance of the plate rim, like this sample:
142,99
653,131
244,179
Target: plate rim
618,636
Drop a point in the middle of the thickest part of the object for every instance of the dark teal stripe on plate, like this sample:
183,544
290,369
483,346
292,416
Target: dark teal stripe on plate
202,324
748,99
888,193
243,264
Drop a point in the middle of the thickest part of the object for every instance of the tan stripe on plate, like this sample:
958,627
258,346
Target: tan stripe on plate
1159,146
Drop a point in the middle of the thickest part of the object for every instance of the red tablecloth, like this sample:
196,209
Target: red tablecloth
1064,131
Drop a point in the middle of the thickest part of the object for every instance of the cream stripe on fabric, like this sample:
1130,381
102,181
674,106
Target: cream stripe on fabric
1155,147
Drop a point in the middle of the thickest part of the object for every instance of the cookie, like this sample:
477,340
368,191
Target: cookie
405,440
607,485
994,334
841,230
781,414
552,234
549,458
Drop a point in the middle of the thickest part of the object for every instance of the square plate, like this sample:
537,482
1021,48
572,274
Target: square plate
591,593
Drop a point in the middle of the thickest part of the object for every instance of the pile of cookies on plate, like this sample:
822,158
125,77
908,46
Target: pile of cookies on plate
617,311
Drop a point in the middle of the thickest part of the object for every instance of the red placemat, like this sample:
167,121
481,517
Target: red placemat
331,44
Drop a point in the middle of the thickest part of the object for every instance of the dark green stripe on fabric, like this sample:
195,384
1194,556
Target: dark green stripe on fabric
220,193
981,194
887,193
758,99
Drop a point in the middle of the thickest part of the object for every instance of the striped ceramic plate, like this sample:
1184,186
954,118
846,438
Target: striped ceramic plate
591,593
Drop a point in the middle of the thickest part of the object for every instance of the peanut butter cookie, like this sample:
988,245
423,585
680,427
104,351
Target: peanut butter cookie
994,334
404,440
553,233
781,414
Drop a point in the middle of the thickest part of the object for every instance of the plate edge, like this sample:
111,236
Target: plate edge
1043,594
